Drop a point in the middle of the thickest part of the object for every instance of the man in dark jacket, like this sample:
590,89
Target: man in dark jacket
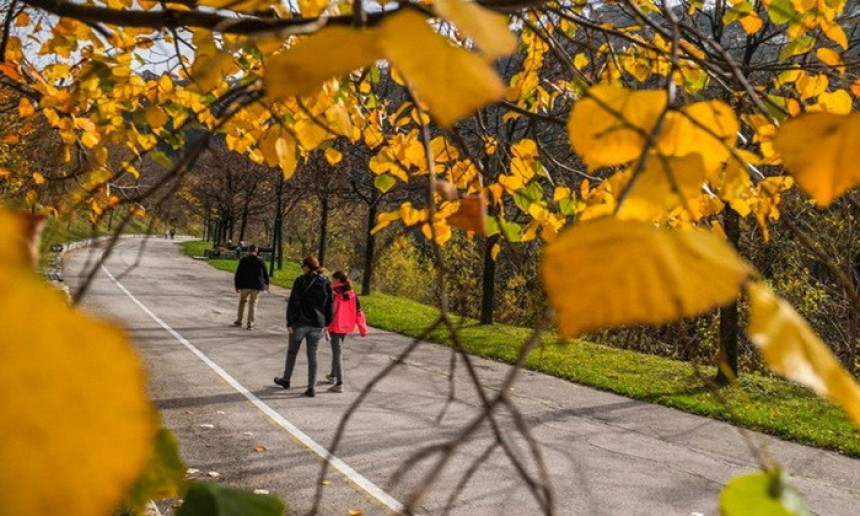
251,278
310,310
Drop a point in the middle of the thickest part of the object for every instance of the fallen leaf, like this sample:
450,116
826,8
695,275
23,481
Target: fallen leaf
214,474
259,448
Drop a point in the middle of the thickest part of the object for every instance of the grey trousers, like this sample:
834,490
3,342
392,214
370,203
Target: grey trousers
337,356
313,336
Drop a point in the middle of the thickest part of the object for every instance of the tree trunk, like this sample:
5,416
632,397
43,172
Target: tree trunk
277,231
729,328
488,281
323,229
243,225
369,249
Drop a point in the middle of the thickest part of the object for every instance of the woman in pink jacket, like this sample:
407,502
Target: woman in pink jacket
347,315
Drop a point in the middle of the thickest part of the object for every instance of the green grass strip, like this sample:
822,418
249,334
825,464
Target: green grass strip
758,402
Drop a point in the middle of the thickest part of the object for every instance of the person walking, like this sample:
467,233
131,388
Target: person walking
347,315
309,311
251,278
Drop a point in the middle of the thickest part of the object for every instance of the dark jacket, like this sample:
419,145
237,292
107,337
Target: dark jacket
311,302
251,273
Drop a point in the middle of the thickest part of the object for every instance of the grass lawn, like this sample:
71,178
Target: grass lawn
770,405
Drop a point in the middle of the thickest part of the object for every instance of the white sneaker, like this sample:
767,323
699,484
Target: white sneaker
336,388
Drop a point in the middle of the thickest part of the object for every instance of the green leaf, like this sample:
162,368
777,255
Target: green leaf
524,197
162,159
765,493
511,230
781,12
214,500
164,476
384,182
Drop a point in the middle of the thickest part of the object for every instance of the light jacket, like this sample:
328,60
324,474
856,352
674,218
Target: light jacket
347,312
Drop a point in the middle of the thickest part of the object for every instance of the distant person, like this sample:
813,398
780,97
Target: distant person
241,246
309,311
172,233
251,278
347,315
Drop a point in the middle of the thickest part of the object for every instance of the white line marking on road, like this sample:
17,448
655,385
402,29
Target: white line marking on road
356,477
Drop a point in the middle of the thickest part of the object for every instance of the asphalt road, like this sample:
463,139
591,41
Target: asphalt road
213,385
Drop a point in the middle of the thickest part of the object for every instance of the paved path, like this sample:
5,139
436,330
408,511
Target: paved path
606,454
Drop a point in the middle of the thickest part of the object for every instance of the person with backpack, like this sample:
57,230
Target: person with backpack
309,311
250,279
347,315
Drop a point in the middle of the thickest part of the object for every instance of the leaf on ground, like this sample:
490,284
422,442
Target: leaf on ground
608,272
822,153
332,52
791,348
260,448
78,427
765,493
609,127
451,80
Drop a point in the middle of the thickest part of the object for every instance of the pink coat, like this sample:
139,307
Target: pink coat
347,314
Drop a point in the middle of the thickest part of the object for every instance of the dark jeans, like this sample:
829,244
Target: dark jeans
313,336
337,356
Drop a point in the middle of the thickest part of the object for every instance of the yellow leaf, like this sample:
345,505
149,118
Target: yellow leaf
488,29
812,85
93,386
285,148
22,20
607,272
792,349
751,23
609,127
828,56
155,117
838,101
137,210
821,152
452,81
663,185
311,134
211,66
165,84
471,215
22,231
302,69
333,156
355,512
38,178
708,128
25,107
835,32
90,139
239,5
